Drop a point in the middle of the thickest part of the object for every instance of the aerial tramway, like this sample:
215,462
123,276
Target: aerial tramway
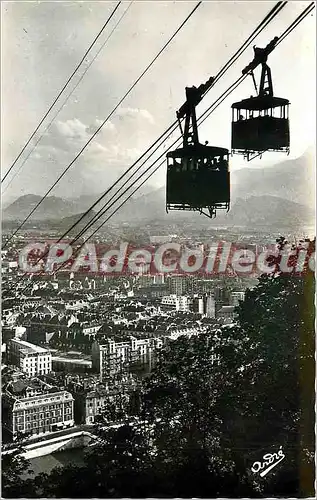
260,123
198,177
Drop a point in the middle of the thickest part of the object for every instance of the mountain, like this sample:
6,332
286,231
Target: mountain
268,211
291,179
52,207
8,201
283,193
68,222
252,211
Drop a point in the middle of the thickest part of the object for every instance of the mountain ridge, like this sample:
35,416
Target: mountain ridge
288,181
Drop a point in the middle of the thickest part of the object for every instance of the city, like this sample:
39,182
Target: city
158,269
94,336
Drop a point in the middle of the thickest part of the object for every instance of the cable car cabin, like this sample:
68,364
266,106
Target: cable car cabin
260,124
198,178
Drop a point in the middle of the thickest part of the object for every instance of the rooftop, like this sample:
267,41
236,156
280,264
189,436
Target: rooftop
43,399
29,347
227,309
80,361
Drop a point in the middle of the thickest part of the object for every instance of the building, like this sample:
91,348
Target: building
152,292
226,314
185,332
178,284
115,358
143,352
38,414
113,403
145,280
210,306
236,297
91,329
30,358
197,305
222,295
159,279
111,358
176,303
21,388
68,364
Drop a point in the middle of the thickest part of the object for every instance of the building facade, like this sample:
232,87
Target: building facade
113,404
113,359
176,303
30,358
178,284
236,297
226,314
38,414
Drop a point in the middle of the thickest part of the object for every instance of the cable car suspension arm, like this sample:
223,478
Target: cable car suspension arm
260,57
196,95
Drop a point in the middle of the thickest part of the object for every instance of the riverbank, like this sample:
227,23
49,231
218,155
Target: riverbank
47,463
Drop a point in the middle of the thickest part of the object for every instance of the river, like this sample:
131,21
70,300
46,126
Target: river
60,458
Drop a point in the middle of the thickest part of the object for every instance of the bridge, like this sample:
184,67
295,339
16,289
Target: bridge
66,439
38,446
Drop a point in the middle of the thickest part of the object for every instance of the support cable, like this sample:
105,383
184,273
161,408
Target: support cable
61,91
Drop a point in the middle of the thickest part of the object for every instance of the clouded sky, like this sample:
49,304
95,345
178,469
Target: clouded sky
42,42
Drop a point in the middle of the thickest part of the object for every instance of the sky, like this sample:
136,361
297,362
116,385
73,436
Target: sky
42,43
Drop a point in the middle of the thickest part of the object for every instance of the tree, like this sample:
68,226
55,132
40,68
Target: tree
214,405
13,467
257,397
116,466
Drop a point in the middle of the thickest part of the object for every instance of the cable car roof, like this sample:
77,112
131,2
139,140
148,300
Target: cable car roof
199,150
260,102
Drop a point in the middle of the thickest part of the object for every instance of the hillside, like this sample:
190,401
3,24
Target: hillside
52,207
291,179
280,195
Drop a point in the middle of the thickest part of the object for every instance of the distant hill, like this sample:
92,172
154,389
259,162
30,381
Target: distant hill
253,211
269,211
280,195
68,222
291,179
52,207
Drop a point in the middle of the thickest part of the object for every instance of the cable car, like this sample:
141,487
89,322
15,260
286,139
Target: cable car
260,123
198,176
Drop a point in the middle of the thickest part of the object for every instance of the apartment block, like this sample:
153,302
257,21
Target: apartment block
115,358
30,358
176,303
38,414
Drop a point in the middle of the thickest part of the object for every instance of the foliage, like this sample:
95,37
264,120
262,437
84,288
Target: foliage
13,467
213,406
